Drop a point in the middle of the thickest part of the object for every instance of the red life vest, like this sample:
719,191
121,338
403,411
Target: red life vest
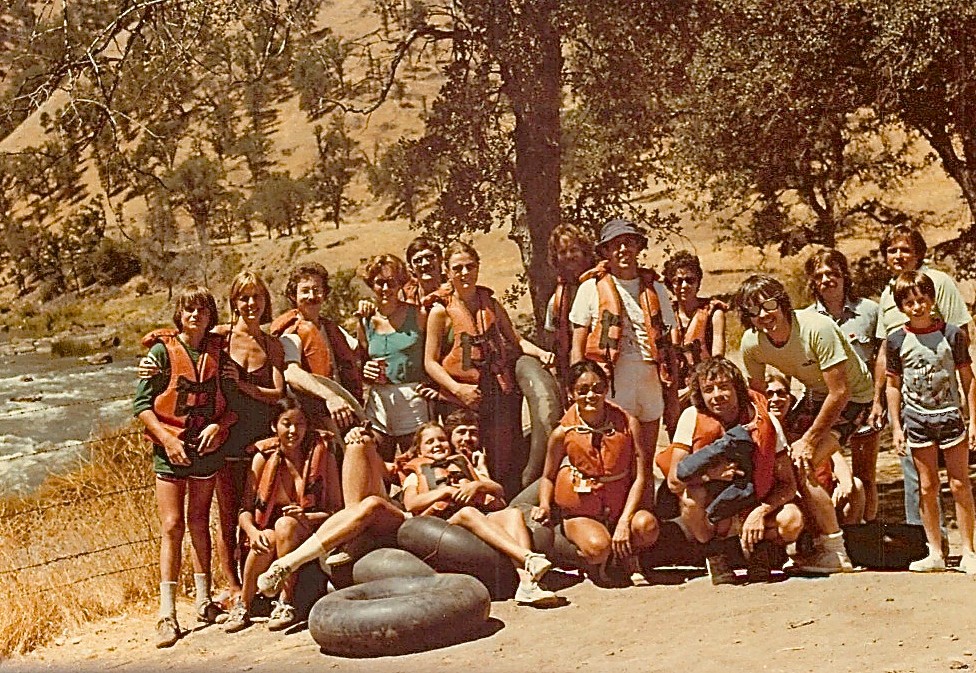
694,343
312,490
479,343
596,476
452,470
325,351
603,342
193,398
708,429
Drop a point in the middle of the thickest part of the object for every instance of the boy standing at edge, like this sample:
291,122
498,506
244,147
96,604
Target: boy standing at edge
925,407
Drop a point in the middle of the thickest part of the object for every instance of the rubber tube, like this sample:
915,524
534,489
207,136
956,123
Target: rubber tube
385,563
541,392
400,615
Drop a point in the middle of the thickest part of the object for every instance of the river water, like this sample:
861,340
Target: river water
49,408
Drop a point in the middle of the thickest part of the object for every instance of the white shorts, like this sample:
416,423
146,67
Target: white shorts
637,389
396,409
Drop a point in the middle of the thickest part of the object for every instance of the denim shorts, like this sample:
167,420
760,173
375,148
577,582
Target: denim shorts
945,428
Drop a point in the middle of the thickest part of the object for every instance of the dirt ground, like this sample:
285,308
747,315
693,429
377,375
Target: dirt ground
894,622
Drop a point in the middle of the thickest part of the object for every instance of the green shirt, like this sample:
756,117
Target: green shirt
815,344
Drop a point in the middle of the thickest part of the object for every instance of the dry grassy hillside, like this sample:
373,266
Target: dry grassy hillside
364,234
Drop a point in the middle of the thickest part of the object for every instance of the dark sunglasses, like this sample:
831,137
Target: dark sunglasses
768,306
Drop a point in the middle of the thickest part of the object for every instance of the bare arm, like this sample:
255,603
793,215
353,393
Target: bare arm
718,333
642,467
876,419
579,343
555,452
468,394
416,502
893,392
838,394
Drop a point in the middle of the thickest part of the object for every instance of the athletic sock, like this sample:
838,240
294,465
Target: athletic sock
167,599
307,551
201,581
934,550
833,541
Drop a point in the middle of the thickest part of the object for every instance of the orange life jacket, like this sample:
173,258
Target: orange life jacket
479,343
603,342
324,351
452,470
695,342
596,476
708,429
193,398
311,492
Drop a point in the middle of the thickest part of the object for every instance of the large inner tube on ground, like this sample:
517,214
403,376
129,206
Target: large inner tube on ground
400,615
384,563
544,400
452,549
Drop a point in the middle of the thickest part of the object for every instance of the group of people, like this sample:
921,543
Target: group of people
319,443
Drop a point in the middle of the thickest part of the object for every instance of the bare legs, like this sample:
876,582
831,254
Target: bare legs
594,539
956,460
864,464
229,489
174,520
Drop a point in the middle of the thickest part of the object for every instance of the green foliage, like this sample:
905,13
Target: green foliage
345,291
334,169
280,203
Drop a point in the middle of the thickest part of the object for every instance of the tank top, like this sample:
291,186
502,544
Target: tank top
402,349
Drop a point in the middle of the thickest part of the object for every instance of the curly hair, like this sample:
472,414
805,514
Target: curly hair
305,272
715,369
244,280
568,237
682,259
372,268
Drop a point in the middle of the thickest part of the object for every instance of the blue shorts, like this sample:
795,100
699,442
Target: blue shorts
944,428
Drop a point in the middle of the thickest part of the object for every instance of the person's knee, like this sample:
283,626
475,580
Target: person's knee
172,526
646,526
285,527
465,516
593,545
789,523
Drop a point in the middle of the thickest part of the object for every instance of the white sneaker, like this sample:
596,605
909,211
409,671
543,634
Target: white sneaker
530,593
270,581
933,563
537,565
967,564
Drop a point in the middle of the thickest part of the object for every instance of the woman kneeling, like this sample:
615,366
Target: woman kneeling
596,473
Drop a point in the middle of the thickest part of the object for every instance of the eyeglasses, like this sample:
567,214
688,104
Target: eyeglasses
768,306
683,280
774,392
423,259
462,268
599,389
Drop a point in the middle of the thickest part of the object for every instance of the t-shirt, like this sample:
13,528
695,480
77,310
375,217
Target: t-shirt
949,304
927,362
815,344
858,322
685,429
633,340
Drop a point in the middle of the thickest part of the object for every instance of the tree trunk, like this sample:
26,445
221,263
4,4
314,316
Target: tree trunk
532,73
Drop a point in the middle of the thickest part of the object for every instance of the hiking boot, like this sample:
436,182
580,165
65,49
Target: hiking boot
720,569
282,616
823,562
537,565
211,613
762,561
530,593
270,581
933,563
167,632
967,564
238,619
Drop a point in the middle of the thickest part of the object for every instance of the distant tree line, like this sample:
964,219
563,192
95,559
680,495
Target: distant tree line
786,122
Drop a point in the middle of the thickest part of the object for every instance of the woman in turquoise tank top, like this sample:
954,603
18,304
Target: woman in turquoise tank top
397,402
